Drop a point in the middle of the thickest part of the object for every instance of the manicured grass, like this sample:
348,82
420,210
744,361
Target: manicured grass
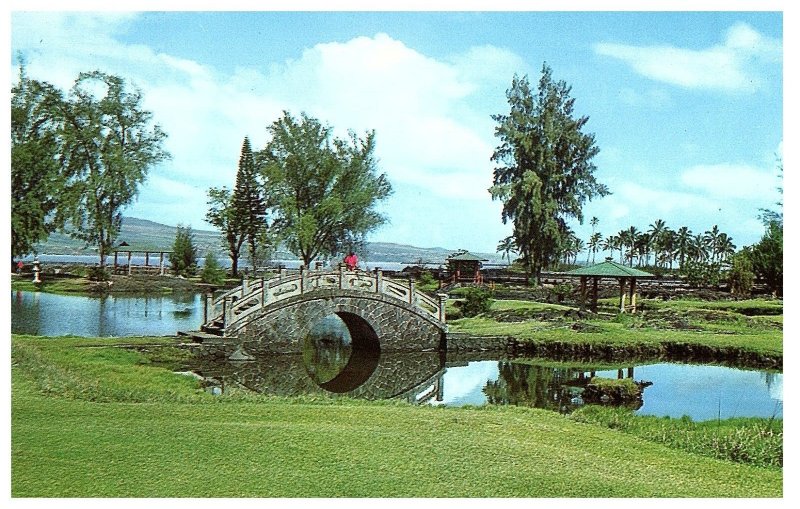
91,420
708,324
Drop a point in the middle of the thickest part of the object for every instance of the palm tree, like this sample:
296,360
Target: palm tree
628,238
699,248
656,230
711,238
594,245
642,245
610,244
682,243
507,246
725,247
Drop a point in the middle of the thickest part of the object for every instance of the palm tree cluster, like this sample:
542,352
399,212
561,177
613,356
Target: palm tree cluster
661,246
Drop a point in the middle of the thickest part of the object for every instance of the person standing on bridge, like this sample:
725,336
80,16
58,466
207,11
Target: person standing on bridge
351,261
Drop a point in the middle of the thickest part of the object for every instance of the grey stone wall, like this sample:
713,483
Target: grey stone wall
282,327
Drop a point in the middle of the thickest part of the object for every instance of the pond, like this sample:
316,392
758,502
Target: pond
47,314
331,363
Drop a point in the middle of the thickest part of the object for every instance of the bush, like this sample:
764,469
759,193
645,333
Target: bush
184,254
98,273
212,273
476,301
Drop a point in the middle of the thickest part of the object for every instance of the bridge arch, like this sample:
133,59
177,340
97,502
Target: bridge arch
276,315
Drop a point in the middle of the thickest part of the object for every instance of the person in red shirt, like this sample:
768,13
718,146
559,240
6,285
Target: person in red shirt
351,261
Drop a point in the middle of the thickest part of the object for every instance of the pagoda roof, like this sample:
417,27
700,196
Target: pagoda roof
609,268
466,256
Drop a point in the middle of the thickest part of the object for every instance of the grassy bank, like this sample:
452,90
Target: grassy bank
744,328
93,420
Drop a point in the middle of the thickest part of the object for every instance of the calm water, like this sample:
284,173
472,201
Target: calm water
333,363
47,314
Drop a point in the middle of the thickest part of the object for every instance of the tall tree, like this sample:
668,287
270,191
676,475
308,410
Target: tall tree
325,190
249,204
683,244
767,257
39,186
110,145
545,172
183,257
656,232
222,215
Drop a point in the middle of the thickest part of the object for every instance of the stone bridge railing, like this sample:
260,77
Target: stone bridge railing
241,302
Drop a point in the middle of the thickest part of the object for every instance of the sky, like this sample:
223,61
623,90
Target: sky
686,107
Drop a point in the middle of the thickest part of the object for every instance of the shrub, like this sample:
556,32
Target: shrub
184,254
212,273
98,273
476,301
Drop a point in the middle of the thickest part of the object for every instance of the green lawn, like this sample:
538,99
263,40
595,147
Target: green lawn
91,420
719,325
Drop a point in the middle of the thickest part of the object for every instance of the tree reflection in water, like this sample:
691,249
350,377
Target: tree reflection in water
327,349
536,386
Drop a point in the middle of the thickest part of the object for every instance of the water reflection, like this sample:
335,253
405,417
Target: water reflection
337,359
47,314
698,391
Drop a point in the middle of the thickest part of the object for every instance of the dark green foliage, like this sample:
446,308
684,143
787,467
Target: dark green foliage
183,257
212,272
109,147
767,257
222,214
546,172
476,301
98,273
741,275
38,183
249,204
324,190
701,274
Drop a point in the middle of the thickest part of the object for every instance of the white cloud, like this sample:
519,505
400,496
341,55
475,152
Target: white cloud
430,124
732,65
731,181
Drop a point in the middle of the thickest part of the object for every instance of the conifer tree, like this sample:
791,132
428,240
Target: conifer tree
545,172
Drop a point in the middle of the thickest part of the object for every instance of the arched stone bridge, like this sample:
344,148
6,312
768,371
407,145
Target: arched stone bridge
276,315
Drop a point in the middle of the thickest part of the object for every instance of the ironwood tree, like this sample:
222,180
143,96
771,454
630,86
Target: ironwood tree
324,190
109,146
544,173
39,186
222,215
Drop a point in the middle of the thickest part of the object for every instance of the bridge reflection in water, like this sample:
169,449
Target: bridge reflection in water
341,360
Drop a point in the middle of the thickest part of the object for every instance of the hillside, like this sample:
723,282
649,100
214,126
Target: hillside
142,234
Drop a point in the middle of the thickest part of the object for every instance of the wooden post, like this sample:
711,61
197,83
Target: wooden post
161,263
302,279
622,295
115,261
594,294
630,372
633,295
620,374
583,293
147,258
129,262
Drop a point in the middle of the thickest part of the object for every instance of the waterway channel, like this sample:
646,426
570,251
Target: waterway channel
330,365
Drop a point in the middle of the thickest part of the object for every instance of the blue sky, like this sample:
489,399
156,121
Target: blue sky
686,107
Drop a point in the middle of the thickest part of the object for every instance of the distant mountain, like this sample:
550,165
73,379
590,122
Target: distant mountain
146,235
